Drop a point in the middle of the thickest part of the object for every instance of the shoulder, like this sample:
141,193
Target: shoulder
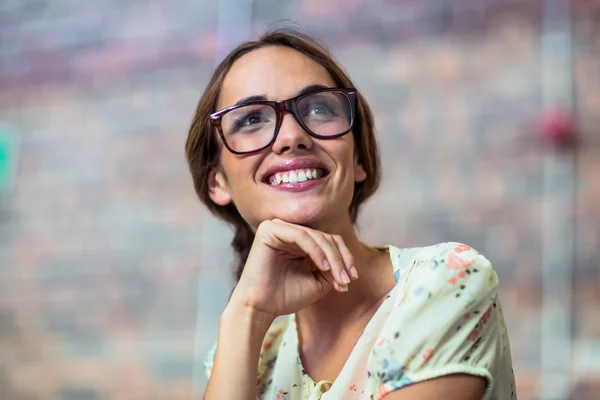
448,252
446,267
445,319
442,281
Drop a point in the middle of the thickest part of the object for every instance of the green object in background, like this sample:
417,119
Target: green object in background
7,156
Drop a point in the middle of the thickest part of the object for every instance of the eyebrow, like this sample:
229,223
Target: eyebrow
249,99
262,97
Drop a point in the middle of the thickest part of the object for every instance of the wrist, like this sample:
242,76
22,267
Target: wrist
239,317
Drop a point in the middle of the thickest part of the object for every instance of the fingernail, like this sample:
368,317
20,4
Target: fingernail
326,265
353,272
340,288
344,277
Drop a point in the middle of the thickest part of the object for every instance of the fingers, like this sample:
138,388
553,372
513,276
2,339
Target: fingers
347,256
334,256
297,242
328,252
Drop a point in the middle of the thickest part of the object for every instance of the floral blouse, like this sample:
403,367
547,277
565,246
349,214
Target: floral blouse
442,317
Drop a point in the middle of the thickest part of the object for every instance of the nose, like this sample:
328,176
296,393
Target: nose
291,136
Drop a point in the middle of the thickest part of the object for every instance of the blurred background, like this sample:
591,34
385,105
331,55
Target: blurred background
113,276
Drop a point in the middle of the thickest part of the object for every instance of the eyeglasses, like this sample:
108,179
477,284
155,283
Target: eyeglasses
253,126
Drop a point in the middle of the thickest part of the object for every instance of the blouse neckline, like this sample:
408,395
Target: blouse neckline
324,385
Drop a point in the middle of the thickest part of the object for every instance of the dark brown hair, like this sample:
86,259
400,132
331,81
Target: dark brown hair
203,150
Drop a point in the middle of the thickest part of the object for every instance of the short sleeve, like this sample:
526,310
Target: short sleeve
445,320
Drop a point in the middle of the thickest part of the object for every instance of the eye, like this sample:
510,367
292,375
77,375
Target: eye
321,106
255,118
319,109
249,119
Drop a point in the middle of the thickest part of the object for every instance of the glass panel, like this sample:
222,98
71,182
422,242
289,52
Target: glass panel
250,127
326,113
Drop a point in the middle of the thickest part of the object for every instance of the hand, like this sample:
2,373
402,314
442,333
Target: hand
290,267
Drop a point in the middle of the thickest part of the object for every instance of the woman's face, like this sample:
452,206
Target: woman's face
279,73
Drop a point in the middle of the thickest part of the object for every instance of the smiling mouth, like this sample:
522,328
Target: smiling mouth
295,176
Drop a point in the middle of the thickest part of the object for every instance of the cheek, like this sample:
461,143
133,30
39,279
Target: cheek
345,153
239,171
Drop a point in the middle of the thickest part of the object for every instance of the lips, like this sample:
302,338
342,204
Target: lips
294,171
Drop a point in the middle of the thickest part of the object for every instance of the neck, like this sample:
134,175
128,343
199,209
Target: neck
337,311
341,226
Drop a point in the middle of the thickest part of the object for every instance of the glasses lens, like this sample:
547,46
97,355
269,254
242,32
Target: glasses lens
326,113
249,128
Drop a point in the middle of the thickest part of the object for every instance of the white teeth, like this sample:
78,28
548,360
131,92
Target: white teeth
302,176
295,176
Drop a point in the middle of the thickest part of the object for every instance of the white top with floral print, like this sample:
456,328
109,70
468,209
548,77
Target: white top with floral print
442,317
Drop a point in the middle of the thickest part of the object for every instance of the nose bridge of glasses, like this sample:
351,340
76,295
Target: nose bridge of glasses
295,132
287,107
284,106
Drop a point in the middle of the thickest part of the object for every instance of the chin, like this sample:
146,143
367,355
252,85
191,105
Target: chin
301,214
304,219
298,220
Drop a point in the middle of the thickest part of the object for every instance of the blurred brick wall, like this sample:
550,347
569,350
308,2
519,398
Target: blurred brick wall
102,239
586,288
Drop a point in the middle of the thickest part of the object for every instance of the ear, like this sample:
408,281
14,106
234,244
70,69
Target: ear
218,189
359,172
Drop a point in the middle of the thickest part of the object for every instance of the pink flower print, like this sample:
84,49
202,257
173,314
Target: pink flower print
352,387
381,343
467,316
457,263
382,392
452,281
461,274
462,247
486,316
473,336
427,354
280,394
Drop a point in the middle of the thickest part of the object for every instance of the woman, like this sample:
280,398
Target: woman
282,147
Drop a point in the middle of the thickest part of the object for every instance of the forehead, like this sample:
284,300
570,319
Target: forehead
277,72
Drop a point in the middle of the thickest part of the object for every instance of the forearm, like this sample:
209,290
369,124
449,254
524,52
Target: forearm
241,333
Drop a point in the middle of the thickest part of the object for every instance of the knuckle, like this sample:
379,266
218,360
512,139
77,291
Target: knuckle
320,254
264,226
336,258
303,235
324,239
